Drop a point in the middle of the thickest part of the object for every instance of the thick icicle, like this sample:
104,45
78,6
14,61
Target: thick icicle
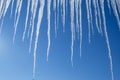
26,21
80,6
106,36
33,18
18,10
40,15
48,32
72,28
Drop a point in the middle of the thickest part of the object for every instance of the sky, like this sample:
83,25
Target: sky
16,63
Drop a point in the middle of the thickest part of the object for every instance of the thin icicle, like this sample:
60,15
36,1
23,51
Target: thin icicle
58,2
89,6
99,17
96,14
88,17
115,12
12,7
54,6
48,32
19,5
76,10
63,17
80,6
72,28
108,3
31,18
26,21
34,14
106,36
40,15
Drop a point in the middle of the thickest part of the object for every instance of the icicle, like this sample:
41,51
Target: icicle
99,17
88,17
48,32
34,14
31,18
106,36
58,2
72,28
63,17
76,10
96,14
89,6
80,6
40,15
115,12
26,21
18,9
108,3
54,6
12,7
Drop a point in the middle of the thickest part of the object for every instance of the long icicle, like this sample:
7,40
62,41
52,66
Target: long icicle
106,36
48,32
72,28
76,10
40,15
80,6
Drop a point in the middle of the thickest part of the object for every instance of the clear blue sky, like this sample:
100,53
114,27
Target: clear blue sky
17,64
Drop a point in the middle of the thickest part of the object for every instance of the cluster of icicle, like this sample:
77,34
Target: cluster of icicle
75,6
